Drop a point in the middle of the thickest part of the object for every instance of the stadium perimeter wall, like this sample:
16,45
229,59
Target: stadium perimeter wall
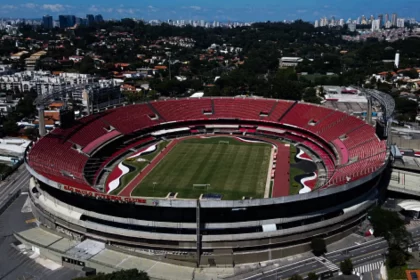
185,203
328,229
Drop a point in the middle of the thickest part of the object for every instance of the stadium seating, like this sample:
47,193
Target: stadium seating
119,152
301,114
316,127
50,155
278,111
241,108
130,118
357,169
173,110
84,131
359,135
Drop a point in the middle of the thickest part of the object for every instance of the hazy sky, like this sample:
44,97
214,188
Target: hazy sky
221,10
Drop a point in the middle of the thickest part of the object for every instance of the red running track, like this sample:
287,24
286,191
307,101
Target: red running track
136,181
281,174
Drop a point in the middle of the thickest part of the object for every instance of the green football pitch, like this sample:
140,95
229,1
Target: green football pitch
233,169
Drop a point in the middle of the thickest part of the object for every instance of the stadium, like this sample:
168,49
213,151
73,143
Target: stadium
210,181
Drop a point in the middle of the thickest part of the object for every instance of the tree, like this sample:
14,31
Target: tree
396,257
312,276
87,65
310,96
131,274
10,127
318,246
346,267
390,226
296,277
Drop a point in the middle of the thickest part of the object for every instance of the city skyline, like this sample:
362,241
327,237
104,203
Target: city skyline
233,10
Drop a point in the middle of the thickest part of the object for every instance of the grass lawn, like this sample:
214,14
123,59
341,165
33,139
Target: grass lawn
137,166
397,272
295,187
235,170
293,152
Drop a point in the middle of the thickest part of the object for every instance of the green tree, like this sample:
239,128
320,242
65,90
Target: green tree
10,127
131,274
312,276
309,95
396,257
296,277
87,65
390,226
346,267
318,246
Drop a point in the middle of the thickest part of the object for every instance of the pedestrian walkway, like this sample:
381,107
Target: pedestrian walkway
331,266
369,267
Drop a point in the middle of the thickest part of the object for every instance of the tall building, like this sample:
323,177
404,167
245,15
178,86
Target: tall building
316,23
47,22
376,25
352,27
400,22
341,22
394,19
381,19
62,21
386,18
90,19
99,18
67,21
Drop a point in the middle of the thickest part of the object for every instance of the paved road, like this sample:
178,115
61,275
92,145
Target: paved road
366,258
18,180
13,263
363,254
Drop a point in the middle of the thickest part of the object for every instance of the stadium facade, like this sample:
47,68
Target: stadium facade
69,164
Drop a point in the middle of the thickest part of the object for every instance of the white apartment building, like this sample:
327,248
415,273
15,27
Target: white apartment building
400,22
42,81
289,61
376,25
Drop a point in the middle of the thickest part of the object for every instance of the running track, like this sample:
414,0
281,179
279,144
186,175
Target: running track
136,181
281,175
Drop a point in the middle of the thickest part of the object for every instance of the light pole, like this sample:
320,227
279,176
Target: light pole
169,64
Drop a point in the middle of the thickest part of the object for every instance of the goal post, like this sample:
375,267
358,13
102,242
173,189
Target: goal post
201,186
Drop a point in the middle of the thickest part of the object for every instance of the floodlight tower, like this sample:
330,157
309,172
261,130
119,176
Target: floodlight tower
41,120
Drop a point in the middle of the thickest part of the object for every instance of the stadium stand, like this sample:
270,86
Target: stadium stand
117,153
131,118
242,108
171,110
54,157
307,124
84,131
301,114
